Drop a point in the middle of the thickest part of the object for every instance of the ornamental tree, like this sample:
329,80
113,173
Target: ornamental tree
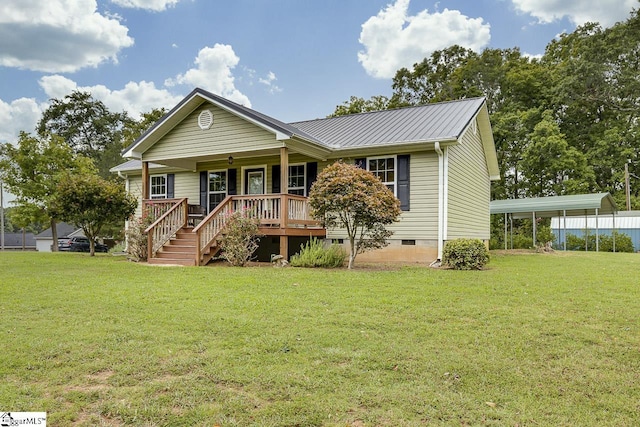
348,197
92,203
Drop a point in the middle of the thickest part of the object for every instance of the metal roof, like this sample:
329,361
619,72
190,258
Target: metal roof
579,204
443,121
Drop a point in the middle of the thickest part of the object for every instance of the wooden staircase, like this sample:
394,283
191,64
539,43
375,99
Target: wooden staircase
180,250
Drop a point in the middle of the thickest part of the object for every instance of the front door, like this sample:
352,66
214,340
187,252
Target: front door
254,181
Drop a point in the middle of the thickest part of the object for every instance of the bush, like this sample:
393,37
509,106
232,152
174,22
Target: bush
465,254
623,242
315,254
240,239
137,242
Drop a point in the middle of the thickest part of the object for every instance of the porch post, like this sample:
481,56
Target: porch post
145,180
284,170
284,200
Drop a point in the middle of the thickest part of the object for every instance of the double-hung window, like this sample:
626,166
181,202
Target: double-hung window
385,169
217,188
297,181
158,186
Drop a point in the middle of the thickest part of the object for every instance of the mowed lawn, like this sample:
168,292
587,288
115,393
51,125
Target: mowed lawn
534,340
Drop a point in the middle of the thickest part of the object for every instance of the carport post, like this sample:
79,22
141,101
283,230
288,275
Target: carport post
597,233
564,229
511,231
534,229
613,232
586,232
505,231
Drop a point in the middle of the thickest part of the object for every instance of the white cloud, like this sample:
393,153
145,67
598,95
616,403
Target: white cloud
58,35
135,98
212,72
19,115
269,82
393,39
606,12
152,5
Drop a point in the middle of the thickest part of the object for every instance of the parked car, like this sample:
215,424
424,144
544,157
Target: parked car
79,244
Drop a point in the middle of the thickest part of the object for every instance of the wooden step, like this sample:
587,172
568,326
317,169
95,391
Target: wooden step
175,255
179,248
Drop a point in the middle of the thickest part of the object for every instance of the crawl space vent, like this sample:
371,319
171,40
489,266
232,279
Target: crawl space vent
205,119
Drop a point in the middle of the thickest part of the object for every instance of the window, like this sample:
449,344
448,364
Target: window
385,169
217,188
297,183
158,186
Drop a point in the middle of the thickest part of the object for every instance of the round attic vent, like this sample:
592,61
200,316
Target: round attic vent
205,119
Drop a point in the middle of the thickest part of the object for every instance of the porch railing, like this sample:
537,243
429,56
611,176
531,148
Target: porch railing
173,216
271,210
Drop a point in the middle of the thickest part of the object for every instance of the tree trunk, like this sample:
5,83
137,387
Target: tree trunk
54,236
352,251
92,247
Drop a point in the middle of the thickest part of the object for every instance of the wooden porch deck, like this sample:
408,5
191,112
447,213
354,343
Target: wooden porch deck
181,235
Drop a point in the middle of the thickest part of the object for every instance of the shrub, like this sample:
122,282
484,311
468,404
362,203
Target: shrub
137,242
623,242
315,254
465,254
240,239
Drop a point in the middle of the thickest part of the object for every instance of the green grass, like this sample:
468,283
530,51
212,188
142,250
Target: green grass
540,340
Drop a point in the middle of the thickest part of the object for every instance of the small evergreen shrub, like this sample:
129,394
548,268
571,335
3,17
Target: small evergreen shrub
240,239
465,254
315,254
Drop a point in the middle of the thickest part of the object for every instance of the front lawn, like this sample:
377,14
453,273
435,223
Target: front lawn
534,340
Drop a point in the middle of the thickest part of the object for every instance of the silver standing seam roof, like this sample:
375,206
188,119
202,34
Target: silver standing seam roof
443,121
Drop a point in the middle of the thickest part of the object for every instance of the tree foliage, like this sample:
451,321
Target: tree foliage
92,203
352,198
32,170
88,127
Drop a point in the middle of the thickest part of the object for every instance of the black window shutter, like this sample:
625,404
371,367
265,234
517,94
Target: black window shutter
232,188
312,174
403,181
171,183
204,186
361,163
275,179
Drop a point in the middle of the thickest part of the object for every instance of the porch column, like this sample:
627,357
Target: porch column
284,201
145,180
284,170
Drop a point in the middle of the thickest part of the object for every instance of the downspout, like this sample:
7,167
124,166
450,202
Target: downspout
440,199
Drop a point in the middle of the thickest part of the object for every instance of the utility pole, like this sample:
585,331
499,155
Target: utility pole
1,218
627,186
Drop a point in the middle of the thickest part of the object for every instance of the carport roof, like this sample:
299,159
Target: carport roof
580,204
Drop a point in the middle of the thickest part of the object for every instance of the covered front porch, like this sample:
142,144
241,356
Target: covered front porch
182,234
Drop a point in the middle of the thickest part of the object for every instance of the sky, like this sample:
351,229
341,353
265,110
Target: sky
291,59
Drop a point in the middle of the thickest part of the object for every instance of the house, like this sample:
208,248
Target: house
18,242
44,240
213,156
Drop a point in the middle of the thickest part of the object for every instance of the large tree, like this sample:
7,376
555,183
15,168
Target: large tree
32,170
92,203
352,198
88,127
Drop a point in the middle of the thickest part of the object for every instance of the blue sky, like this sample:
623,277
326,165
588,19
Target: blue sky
291,59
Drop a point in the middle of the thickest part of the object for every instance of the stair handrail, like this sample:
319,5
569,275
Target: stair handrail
166,227
210,227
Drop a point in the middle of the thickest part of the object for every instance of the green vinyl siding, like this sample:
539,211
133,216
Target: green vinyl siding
469,189
229,134
421,222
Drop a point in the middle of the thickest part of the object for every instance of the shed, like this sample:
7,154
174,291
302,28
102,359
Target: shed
555,206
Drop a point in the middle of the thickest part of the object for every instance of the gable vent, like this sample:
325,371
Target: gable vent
205,119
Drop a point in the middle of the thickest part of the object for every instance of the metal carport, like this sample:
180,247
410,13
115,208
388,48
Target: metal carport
560,206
